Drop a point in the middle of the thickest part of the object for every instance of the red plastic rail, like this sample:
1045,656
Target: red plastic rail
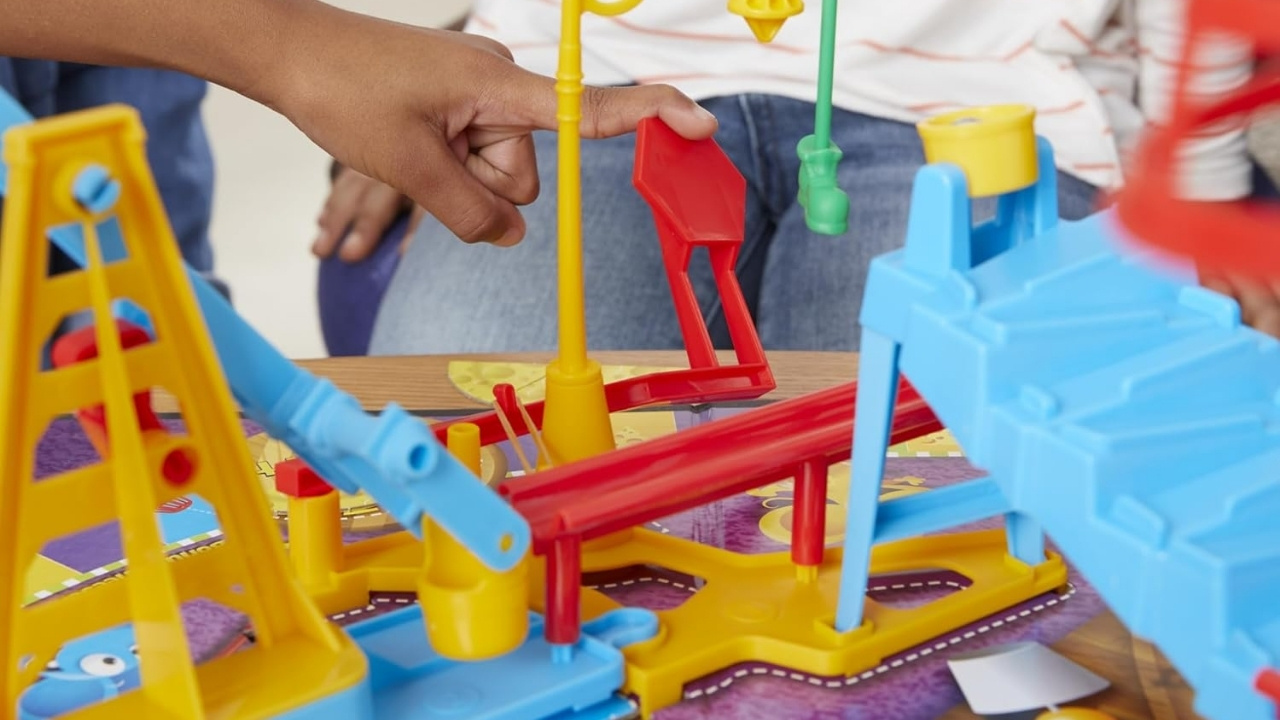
641,483
698,199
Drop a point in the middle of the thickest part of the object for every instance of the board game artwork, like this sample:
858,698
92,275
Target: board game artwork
909,684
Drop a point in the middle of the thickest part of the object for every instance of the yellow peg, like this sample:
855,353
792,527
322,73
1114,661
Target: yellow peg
472,612
766,17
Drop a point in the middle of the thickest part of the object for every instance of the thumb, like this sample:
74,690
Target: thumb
442,186
607,112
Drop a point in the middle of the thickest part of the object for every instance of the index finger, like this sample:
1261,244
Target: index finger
605,112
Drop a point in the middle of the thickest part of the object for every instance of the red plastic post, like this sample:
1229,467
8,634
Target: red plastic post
505,395
698,199
809,514
296,479
564,587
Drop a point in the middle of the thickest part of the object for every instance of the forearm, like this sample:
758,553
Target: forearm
243,45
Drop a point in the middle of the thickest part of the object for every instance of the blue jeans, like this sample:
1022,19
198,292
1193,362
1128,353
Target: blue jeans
177,148
804,290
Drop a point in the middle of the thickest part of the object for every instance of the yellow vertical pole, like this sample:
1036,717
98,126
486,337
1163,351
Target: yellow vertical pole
573,319
576,423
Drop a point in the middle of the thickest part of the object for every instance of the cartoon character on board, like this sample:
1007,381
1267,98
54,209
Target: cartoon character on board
85,671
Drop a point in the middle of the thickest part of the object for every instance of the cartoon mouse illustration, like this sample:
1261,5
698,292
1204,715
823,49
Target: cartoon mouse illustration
84,672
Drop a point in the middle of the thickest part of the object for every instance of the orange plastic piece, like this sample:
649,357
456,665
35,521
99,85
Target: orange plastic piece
298,657
1234,238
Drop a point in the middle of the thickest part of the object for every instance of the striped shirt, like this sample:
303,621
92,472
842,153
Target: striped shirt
1095,70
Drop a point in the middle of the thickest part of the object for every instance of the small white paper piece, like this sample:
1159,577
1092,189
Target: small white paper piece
1021,677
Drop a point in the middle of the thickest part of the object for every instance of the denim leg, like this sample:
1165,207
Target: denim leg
813,284
449,297
349,293
177,146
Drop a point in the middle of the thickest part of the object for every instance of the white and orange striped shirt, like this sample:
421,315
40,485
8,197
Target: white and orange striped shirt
1095,70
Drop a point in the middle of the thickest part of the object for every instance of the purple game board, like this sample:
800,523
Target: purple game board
913,686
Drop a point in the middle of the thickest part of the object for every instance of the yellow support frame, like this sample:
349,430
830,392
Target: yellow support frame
298,657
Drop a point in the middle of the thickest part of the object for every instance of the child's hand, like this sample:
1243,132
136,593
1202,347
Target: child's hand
1259,301
357,214
446,118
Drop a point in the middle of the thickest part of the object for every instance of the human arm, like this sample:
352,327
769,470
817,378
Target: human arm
443,117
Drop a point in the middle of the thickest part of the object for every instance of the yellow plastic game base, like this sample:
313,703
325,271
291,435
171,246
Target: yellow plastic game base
751,608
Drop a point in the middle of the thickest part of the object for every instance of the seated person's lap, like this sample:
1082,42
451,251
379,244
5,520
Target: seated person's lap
805,290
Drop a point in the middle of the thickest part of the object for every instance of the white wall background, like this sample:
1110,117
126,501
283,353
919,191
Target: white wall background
271,183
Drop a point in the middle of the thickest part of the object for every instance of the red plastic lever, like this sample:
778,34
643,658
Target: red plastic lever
698,199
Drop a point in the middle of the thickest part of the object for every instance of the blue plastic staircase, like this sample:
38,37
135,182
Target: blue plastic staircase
1128,414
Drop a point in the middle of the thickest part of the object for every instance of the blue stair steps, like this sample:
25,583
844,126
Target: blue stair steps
1130,415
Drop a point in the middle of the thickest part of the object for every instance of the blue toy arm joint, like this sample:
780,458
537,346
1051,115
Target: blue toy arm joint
393,457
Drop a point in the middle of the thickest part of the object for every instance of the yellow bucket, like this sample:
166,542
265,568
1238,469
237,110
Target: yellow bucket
995,146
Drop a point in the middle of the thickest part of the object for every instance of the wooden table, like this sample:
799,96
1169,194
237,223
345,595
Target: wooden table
1145,686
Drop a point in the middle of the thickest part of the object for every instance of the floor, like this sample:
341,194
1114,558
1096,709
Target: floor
272,181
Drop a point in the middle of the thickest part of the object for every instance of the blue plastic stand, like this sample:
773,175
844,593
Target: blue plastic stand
1128,413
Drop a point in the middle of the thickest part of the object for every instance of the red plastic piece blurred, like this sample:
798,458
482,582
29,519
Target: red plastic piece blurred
296,479
1268,683
698,199
81,346
1236,238
568,505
